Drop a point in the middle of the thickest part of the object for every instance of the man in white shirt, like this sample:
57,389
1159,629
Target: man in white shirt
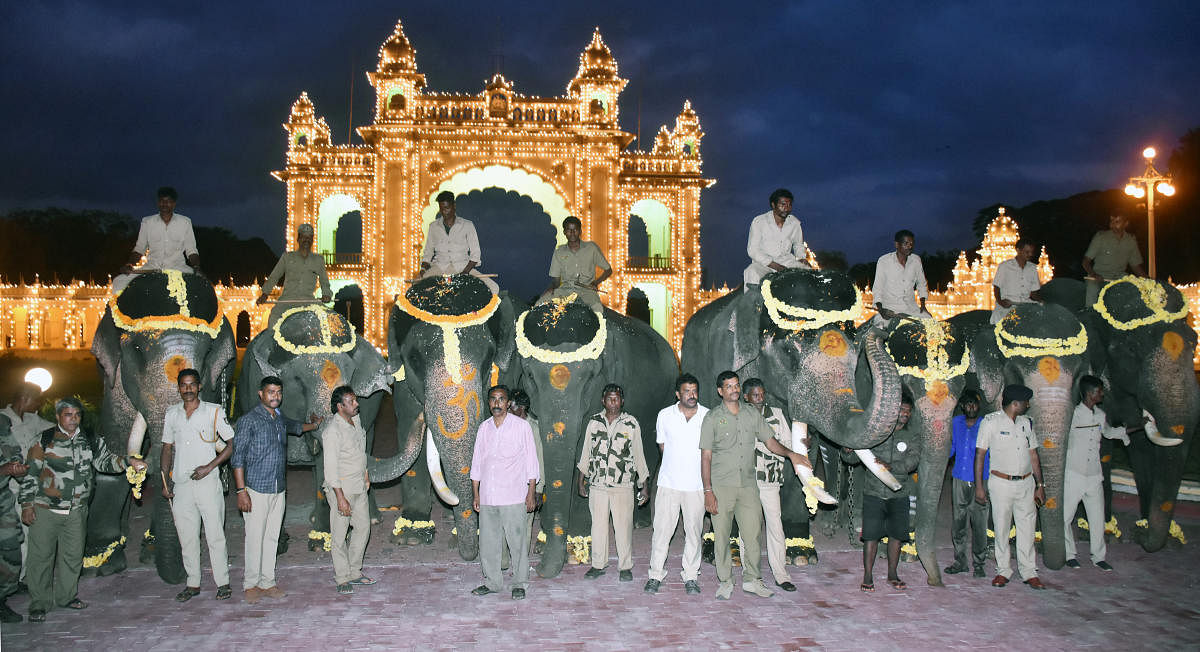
776,240
897,274
26,428
196,439
1016,281
680,488
452,245
1083,479
166,239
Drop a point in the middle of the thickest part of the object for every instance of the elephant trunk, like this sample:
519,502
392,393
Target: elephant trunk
931,473
387,469
864,430
1051,410
1174,406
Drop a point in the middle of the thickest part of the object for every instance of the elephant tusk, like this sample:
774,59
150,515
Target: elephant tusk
137,434
1155,436
434,460
881,472
805,471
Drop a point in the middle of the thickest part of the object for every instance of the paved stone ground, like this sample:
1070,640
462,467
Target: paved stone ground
422,601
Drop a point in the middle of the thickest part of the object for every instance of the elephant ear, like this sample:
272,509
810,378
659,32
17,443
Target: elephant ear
400,327
371,372
106,346
745,322
219,361
503,327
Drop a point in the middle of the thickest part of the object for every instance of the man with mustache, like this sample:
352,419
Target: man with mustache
346,483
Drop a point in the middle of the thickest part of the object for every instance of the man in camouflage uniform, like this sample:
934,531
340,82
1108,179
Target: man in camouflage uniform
54,504
11,466
611,464
26,425
769,470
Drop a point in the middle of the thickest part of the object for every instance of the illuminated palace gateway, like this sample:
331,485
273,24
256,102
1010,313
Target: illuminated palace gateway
568,154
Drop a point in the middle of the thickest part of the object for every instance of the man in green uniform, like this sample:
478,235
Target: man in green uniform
1110,253
573,268
302,271
12,465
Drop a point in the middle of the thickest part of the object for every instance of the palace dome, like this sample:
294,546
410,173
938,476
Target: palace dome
397,54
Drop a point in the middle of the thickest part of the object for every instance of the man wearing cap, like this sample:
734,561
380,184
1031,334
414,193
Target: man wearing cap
452,245
302,271
1109,254
165,239
1014,482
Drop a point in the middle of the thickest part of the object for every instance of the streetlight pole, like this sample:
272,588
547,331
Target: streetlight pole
1144,186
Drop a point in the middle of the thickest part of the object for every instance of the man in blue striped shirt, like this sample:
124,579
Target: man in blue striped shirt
260,473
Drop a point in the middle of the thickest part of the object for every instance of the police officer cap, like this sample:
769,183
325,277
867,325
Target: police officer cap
1016,393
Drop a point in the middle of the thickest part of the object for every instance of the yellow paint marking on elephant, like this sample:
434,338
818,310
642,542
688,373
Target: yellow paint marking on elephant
843,390
1049,368
174,365
832,343
331,374
1106,458
560,375
337,327
462,400
1172,343
1047,443
558,531
1051,503
1177,429
937,391
1167,506
494,377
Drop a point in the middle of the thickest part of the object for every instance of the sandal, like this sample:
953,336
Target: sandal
345,588
898,584
363,580
224,592
187,594
37,616
867,588
76,604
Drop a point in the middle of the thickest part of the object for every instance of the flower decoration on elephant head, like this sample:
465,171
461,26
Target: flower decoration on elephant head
795,318
332,329
1153,297
167,300
1012,345
451,303
549,314
934,339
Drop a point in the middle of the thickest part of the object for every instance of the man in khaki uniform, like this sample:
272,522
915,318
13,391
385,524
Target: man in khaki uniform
1108,256
344,443
573,267
611,464
195,444
730,490
770,471
1014,483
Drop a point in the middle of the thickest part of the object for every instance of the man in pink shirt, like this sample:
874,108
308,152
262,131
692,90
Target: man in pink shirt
504,470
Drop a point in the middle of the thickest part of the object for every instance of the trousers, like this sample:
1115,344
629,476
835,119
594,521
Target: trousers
768,495
615,503
195,503
741,503
1013,501
1090,491
262,538
969,517
348,557
55,557
499,526
669,505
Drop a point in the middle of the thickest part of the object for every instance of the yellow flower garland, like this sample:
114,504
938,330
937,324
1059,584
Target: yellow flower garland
177,288
322,536
589,351
797,542
136,478
449,325
1111,527
97,560
184,320
1154,297
806,318
810,498
1174,530
937,359
580,548
405,524
147,538
1035,347
327,346
541,537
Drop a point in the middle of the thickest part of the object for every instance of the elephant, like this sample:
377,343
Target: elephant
313,350
1043,347
161,323
449,338
568,353
1142,346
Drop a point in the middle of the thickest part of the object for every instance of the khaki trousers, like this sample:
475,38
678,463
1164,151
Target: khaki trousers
262,538
501,525
669,505
741,503
55,557
196,503
617,503
1078,488
1013,501
768,495
348,558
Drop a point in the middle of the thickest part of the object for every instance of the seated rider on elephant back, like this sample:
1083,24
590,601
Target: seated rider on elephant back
452,245
573,268
301,270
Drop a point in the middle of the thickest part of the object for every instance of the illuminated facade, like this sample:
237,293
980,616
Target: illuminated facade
566,153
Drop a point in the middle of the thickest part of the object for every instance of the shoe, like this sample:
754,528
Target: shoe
1035,583
979,572
898,584
363,580
7,615
224,592
253,595
1104,566
345,588
593,573
273,592
725,591
757,588
187,594
37,616
518,594
652,586
76,604
1000,581
955,569
786,586
1072,563
481,590
626,576
692,587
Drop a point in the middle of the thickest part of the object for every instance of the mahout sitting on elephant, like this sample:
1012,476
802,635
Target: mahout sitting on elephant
160,324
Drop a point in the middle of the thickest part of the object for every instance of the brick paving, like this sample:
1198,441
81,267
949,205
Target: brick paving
422,601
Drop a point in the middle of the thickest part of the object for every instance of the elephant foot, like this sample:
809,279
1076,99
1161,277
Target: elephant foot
146,554
313,545
935,581
538,546
554,556
707,554
907,558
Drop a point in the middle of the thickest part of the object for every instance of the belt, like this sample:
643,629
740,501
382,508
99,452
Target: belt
1005,476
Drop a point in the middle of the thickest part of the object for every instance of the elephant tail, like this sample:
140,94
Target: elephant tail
390,468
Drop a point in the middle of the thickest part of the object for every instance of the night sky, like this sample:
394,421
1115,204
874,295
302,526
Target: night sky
877,116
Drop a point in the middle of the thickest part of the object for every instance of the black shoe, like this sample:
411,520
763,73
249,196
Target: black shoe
22,588
1072,563
626,576
518,594
692,587
37,616
187,594
1104,566
7,615
955,569
786,586
593,573
652,586
481,590
979,572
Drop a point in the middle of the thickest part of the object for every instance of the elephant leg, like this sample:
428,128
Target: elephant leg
108,522
1107,447
417,497
319,517
466,519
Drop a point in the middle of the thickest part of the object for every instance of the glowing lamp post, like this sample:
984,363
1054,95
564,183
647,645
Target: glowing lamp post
1145,186
40,377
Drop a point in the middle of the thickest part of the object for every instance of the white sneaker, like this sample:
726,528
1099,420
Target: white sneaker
757,588
725,591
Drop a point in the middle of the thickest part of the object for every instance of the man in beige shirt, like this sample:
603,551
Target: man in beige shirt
302,272
344,443
573,267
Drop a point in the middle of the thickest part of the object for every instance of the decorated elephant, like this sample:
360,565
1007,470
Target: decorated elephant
567,354
447,337
313,350
1043,347
160,324
1141,345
